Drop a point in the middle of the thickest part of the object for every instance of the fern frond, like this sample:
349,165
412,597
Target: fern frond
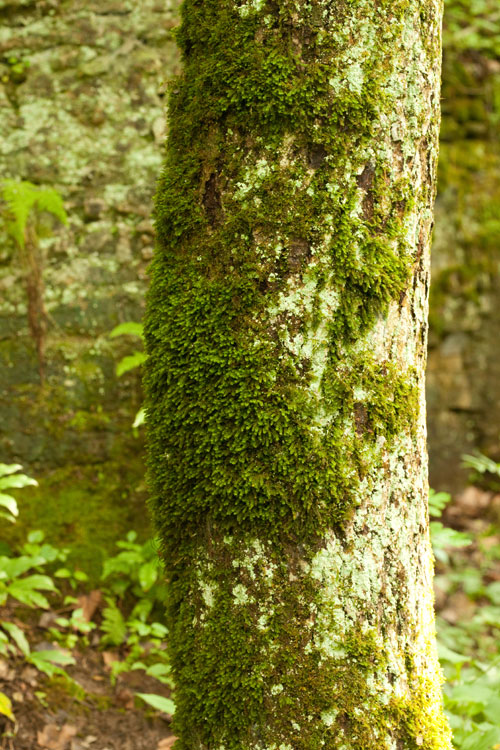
21,198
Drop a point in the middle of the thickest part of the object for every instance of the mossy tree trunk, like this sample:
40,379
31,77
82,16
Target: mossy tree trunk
286,330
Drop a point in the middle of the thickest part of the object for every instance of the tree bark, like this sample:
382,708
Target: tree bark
286,331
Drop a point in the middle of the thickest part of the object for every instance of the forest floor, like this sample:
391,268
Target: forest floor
88,714
110,645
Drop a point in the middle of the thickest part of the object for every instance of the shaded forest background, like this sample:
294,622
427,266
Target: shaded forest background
82,87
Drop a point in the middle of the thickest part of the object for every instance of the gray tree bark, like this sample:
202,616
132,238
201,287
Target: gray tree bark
286,329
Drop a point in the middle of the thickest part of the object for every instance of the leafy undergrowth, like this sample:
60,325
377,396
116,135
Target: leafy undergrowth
467,586
73,662
81,665
84,666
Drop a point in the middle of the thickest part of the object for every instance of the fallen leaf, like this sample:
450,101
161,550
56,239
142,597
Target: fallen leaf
166,743
30,675
83,744
88,603
109,657
6,706
53,738
6,673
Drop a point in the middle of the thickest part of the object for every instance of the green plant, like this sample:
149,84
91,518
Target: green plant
25,203
22,581
443,537
469,655
158,701
484,471
131,361
11,479
469,648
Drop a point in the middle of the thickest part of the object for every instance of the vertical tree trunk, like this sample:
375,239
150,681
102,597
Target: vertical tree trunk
286,330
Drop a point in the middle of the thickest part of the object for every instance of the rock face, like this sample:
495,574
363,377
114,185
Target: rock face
81,109
463,383
81,87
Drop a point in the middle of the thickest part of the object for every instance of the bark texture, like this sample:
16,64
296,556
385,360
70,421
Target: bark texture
286,330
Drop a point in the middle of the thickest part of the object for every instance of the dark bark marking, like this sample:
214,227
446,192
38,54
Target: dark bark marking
365,182
212,201
316,157
299,252
361,418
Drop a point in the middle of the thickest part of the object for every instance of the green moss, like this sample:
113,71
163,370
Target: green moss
251,185
328,688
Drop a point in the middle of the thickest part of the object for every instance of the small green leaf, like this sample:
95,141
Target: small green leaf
166,705
493,592
35,537
17,481
6,707
481,464
140,418
113,625
482,740
129,362
446,654
127,329
17,636
62,573
9,469
53,656
158,670
437,502
8,502
148,574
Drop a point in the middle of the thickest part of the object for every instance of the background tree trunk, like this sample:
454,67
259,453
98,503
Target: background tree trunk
287,335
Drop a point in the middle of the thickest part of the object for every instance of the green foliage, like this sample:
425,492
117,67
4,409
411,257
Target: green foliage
135,570
11,479
157,701
20,576
472,25
485,471
22,198
469,648
133,591
6,706
470,657
134,596
131,361
438,502
443,537
21,580
127,329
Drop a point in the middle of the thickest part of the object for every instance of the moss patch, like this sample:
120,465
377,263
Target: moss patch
67,503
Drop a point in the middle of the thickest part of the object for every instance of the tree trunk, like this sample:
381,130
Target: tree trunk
286,329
